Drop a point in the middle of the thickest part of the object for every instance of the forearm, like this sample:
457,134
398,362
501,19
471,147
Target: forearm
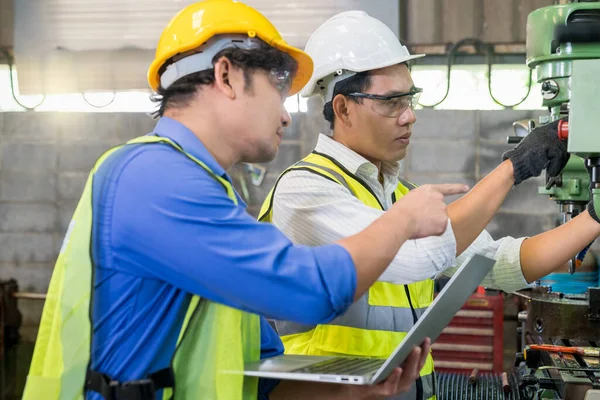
546,252
374,248
472,213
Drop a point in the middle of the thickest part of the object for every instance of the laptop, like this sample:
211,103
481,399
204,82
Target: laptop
368,371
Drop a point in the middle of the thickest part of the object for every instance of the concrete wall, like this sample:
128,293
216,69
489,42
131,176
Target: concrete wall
6,24
465,146
448,21
45,158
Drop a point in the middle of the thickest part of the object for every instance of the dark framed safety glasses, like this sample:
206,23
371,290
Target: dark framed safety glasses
394,105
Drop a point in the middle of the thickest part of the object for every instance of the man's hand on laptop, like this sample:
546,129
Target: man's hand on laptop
399,381
426,208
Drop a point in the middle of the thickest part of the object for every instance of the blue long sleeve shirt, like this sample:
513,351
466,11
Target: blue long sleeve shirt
164,229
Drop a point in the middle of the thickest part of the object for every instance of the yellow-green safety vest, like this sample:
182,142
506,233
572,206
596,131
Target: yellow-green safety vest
214,338
375,324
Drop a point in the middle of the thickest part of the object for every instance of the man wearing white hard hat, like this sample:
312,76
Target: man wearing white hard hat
352,177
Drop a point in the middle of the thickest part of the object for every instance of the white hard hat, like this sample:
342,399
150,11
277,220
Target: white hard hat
347,43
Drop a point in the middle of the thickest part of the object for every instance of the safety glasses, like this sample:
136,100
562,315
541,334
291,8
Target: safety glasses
282,80
392,106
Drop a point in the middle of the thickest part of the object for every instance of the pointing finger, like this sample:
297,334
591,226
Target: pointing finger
448,189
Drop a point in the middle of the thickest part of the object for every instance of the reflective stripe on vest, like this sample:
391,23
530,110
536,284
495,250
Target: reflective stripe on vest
384,307
379,320
212,335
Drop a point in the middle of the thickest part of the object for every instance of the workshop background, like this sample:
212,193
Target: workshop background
78,88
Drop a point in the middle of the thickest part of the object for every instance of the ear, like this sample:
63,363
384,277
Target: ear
341,109
228,79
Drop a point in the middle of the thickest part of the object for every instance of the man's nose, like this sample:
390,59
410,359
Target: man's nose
407,117
286,118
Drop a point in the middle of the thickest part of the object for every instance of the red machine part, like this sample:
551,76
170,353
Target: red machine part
474,338
563,129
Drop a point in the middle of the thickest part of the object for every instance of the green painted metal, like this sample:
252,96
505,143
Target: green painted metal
540,34
563,94
553,69
568,73
596,198
584,115
573,185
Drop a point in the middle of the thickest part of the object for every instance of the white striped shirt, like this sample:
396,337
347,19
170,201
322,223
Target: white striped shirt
312,210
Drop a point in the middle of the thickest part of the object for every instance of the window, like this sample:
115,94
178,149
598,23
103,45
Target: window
469,87
468,91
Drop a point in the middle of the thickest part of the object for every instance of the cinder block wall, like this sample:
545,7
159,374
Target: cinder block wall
45,159
465,146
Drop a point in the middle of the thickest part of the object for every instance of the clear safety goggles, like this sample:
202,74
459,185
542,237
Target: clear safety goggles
392,106
282,80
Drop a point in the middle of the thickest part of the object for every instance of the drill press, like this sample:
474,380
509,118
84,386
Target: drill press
563,45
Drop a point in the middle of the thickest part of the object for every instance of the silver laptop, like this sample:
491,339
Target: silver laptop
362,371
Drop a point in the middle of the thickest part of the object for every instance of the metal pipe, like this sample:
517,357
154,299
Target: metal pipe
454,385
522,318
473,377
569,211
29,296
485,389
505,384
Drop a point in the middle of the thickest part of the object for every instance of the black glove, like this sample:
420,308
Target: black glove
592,211
540,149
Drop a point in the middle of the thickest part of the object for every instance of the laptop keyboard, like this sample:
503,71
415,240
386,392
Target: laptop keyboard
343,366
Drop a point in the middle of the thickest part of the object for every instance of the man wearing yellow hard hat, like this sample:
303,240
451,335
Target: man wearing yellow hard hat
162,273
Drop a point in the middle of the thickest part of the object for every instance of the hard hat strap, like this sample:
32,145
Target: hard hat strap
326,85
202,59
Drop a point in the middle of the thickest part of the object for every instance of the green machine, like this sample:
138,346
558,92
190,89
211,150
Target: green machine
563,45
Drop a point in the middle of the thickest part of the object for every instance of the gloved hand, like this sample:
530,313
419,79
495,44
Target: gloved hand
540,149
592,211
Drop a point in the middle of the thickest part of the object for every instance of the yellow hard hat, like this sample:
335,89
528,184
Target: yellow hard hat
199,22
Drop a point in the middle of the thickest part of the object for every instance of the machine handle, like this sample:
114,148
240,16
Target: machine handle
563,133
514,139
553,181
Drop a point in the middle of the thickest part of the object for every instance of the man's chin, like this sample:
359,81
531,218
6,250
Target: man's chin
259,158
396,157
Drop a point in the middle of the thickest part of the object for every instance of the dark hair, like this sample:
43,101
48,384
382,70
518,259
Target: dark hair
356,83
181,92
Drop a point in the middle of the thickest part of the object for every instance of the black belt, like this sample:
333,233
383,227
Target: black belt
143,389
